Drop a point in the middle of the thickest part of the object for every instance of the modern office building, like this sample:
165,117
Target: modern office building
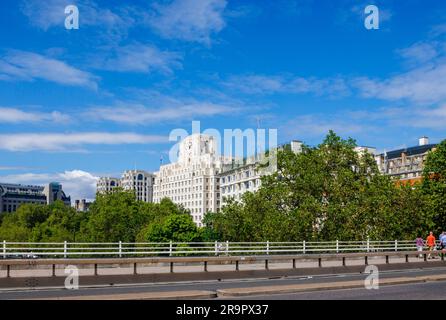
405,165
14,195
193,181
139,181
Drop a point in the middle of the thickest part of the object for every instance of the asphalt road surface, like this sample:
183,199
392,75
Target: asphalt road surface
434,290
416,291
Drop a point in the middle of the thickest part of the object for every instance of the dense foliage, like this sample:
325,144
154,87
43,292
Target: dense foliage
326,192
113,217
330,192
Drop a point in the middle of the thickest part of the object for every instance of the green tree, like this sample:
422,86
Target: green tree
434,186
176,227
327,192
62,224
113,217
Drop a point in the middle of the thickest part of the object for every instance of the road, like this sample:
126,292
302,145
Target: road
417,291
434,290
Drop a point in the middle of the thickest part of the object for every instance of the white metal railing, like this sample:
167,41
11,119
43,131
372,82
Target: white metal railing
122,249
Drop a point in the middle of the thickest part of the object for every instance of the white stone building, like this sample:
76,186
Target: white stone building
107,184
139,181
235,180
193,181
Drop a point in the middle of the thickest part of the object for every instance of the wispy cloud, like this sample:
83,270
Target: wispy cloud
189,20
27,66
317,125
76,183
287,84
420,52
65,142
142,58
14,115
13,168
364,122
425,84
112,25
351,12
139,114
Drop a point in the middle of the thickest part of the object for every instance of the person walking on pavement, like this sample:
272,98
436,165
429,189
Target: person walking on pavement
442,243
430,241
420,244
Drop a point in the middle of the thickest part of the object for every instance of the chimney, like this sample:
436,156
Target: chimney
423,141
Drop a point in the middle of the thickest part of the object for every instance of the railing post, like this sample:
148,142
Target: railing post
4,249
396,245
170,248
216,248
368,244
227,248
303,247
337,246
267,247
120,249
65,247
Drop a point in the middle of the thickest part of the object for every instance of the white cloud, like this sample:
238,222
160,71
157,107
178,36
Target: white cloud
425,84
420,52
51,13
139,114
433,118
365,122
13,115
8,168
69,141
189,20
356,15
317,125
28,66
142,58
287,84
76,183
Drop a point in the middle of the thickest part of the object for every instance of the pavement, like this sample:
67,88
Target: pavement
45,271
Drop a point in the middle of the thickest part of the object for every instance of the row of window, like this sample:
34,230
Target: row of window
241,186
245,175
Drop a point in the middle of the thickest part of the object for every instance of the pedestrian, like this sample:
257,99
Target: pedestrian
442,242
442,239
420,244
430,241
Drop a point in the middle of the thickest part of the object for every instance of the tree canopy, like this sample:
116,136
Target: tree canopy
327,192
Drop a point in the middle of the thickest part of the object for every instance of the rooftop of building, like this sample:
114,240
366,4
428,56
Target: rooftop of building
410,151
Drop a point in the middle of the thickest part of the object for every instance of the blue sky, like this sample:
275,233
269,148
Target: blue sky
78,104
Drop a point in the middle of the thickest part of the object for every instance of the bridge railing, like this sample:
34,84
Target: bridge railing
125,249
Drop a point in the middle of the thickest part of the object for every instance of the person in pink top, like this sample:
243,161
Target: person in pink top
420,244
